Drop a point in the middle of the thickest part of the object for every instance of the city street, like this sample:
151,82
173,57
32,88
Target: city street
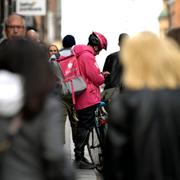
80,173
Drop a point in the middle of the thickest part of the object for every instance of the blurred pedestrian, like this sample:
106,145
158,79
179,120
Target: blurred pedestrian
87,101
15,26
113,65
53,50
143,141
36,151
68,108
32,34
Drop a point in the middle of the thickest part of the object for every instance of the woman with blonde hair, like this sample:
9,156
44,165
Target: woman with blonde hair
150,62
143,141
53,50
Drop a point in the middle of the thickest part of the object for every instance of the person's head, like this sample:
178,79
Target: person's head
32,35
52,49
150,62
15,26
29,60
97,41
68,41
121,38
174,33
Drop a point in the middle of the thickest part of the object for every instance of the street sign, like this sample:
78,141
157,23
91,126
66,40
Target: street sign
31,7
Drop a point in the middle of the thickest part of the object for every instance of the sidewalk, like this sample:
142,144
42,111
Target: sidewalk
82,174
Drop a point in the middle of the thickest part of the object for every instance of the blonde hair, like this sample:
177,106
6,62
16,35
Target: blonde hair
150,62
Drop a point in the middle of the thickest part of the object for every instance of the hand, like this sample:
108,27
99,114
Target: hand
105,73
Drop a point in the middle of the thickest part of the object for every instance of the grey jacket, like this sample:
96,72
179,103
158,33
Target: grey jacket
37,152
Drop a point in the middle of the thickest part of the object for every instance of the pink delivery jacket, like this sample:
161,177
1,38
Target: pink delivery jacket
91,74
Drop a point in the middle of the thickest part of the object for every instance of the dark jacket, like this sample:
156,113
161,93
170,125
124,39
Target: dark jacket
37,152
143,141
113,65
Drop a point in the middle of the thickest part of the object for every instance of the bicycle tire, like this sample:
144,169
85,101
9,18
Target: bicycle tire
95,149
97,138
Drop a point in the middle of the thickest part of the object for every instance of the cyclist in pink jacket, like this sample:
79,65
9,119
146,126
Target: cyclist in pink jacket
87,101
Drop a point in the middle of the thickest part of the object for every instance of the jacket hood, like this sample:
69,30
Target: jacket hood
78,49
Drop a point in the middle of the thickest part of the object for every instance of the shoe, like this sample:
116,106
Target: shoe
83,164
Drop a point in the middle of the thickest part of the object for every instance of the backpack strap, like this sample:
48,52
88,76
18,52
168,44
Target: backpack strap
73,94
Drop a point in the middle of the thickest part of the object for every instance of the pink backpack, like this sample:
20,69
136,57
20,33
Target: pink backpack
69,76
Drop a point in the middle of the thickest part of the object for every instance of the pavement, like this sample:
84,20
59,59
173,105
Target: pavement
81,174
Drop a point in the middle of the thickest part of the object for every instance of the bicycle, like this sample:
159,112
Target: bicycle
97,137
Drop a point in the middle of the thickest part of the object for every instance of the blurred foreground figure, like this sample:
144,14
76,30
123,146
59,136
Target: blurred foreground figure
36,150
143,141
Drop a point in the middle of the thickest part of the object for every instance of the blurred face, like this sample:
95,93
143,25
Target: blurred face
53,50
15,27
32,35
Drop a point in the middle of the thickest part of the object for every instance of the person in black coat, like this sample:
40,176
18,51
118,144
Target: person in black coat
143,140
114,66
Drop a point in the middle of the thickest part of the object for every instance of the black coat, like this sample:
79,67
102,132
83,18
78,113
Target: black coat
143,141
113,65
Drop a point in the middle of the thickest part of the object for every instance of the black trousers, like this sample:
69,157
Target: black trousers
85,124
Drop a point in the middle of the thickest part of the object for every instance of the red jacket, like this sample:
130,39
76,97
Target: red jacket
92,75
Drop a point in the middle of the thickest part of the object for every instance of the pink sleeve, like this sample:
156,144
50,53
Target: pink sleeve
92,70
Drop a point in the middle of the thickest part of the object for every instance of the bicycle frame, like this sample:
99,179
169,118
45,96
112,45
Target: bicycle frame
97,136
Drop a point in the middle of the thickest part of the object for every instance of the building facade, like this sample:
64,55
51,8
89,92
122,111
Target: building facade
170,15
174,12
164,19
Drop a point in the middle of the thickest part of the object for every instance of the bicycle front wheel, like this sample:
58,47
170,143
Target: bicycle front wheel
95,149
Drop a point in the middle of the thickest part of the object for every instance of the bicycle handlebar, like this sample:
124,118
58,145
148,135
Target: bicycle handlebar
102,104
